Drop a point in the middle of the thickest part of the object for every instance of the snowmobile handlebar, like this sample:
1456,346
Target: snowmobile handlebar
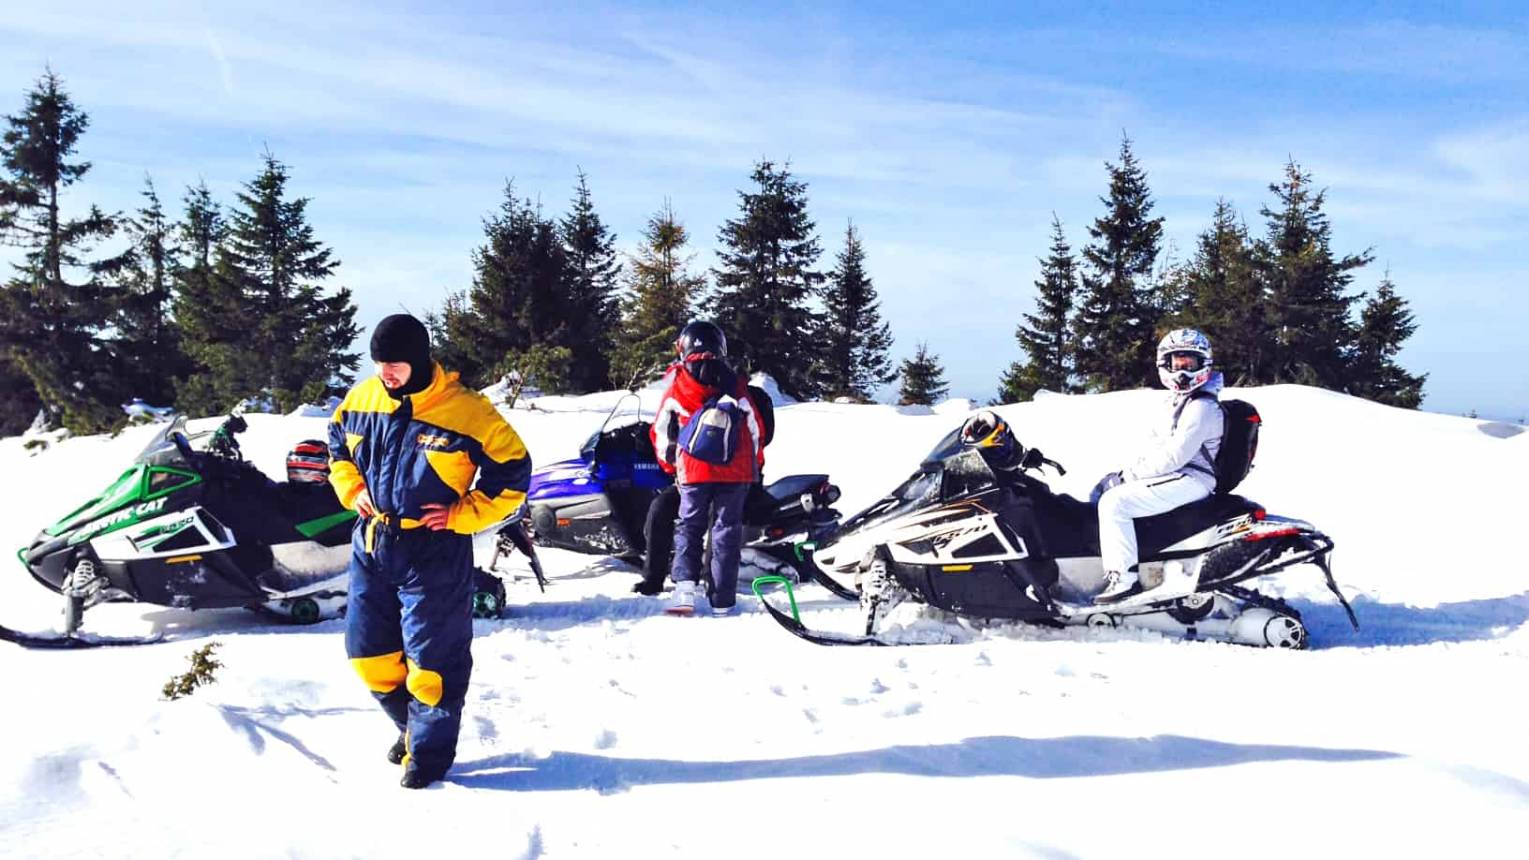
224,442
1034,459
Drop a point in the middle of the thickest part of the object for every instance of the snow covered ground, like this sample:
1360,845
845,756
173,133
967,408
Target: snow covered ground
596,726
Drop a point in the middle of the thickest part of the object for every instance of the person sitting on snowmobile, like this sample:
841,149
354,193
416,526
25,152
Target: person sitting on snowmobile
711,492
406,446
1178,469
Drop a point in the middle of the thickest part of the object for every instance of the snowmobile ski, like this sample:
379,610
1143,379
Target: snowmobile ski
59,641
793,621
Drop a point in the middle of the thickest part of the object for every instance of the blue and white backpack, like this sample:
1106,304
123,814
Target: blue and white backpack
713,433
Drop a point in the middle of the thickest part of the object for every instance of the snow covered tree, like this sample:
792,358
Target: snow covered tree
1384,324
56,308
765,284
1046,335
590,285
1312,334
1223,296
923,378
854,339
149,340
1116,326
658,304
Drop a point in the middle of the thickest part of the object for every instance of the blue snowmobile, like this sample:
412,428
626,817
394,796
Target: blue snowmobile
614,499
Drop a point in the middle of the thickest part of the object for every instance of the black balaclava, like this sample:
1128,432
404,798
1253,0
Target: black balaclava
401,337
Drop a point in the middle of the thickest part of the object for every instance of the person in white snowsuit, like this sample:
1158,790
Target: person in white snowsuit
1179,467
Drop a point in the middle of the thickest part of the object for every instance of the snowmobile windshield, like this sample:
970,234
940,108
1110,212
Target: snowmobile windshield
921,489
947,447
162,450
966,473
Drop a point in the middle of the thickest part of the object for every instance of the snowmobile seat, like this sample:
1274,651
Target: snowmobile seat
1155,533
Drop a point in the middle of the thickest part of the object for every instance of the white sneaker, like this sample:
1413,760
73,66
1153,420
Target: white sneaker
682,602
1117,587
722,611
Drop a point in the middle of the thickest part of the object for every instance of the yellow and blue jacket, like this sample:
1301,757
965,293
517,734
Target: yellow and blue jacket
425,449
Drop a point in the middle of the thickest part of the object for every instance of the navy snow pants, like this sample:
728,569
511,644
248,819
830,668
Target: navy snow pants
408,633
721,507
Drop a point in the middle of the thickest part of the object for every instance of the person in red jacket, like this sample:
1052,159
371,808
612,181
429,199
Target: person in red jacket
710,493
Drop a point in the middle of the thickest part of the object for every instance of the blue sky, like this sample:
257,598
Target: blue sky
950,135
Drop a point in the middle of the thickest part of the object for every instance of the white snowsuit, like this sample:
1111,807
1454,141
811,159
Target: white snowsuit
1179,468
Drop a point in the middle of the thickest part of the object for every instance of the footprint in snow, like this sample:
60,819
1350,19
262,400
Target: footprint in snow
877,687
605,740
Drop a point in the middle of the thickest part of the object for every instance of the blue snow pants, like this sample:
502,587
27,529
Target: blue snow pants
408,633
721,507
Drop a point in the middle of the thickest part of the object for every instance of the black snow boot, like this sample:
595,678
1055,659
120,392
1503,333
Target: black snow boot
413,777
399,749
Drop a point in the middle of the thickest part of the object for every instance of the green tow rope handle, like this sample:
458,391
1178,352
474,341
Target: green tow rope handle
790,594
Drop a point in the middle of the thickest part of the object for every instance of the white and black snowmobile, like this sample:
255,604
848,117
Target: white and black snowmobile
191,524
957,536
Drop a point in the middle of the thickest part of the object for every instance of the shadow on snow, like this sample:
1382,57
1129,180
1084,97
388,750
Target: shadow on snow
1035,758
1399,624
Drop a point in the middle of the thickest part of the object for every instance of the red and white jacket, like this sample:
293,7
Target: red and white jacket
686,394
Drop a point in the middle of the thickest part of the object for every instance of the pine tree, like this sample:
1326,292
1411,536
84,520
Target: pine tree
149,341
1115,328
661,294
274,329
517,300
1312,334
1223,296
207,310
923,378
1384,324
1046,336
449,336
591,277
766,281
854,339
52,326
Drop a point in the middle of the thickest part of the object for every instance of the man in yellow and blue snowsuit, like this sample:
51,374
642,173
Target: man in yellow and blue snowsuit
406,445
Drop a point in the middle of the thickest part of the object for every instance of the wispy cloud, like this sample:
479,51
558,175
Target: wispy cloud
950,142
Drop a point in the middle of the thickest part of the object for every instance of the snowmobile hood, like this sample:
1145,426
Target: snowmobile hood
560,472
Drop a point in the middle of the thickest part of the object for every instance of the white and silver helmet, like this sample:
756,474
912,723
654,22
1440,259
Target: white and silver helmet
1184,342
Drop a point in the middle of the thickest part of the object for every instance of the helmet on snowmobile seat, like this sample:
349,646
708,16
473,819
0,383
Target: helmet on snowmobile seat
990,435
701,336
308,463
1192,368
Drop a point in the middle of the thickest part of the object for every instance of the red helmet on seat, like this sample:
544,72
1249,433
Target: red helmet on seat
308,463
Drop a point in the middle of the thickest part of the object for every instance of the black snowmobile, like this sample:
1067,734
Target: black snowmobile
1001,546
193,525
614,499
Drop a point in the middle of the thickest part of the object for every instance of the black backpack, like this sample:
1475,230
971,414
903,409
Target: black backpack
1239,443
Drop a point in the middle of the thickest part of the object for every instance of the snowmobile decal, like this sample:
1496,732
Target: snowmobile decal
121,519
963,543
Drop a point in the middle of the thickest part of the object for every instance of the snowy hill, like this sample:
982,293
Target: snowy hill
598,727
